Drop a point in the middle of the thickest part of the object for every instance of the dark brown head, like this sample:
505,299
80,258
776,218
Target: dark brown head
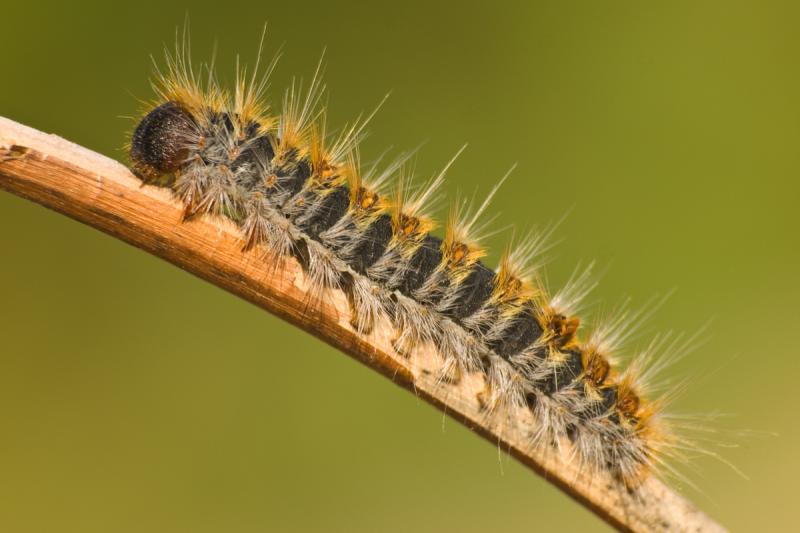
159,143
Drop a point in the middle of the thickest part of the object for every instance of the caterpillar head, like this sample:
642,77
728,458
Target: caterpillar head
160,141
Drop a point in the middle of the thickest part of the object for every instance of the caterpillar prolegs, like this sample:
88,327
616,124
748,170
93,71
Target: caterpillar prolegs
296,192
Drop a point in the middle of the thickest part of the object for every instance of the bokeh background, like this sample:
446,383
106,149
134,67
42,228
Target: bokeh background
134,397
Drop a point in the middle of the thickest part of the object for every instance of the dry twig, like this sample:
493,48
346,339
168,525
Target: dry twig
100,192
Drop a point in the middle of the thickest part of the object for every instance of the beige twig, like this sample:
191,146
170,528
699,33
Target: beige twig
100,192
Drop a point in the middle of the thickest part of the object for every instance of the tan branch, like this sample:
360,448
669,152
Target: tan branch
100,192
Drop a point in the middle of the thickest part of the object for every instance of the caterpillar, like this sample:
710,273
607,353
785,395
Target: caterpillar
296,191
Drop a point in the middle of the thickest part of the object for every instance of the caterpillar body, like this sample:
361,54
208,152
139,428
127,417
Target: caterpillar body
295,192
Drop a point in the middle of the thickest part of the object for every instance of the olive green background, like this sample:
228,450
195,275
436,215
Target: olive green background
134,397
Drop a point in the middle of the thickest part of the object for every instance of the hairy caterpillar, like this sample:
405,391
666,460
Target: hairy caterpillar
295,192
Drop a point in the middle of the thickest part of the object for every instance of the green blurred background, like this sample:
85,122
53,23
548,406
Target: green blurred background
134,397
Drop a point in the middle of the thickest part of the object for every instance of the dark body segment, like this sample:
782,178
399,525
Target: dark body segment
523,331
327,210
253,162
422,265
609,395
292,183
564,373
472,293
372,244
